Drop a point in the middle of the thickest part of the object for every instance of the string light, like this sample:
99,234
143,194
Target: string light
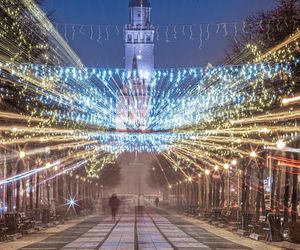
196,118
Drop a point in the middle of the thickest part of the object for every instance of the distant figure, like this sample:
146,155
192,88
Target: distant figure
140,203
114,204
156,201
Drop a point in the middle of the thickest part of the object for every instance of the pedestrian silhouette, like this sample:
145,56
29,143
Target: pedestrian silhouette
156,201
114,203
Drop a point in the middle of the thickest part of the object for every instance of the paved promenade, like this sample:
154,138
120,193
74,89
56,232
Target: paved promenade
151,230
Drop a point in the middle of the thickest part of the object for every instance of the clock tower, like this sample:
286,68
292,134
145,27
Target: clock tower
139,39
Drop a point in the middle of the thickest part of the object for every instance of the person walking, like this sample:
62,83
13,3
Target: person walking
141,204
156,201
114,204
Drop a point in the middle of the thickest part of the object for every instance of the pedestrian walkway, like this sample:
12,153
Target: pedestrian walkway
93,237
211,236
179,238
63,238
148,235
152,230
54,237
122,236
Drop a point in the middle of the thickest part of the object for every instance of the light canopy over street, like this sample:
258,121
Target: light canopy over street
158,145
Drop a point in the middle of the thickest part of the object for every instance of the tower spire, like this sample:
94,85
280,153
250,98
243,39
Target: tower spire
139,3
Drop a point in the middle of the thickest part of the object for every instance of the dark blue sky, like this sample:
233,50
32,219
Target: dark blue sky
175,53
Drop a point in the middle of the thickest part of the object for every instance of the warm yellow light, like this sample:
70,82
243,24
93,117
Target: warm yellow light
190,179
22,154
253,154
206,172
234,162
281,144
290,100
216,168
226,166
170,186
265,130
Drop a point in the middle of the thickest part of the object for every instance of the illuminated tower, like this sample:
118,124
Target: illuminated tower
139,38
133,105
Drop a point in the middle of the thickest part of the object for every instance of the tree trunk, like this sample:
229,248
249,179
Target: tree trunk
18,197
222,192
278,191
273,186
294,194
247,189
210,193
37,192
262,194
218,193
286,195
258,195
200,195
20,168
243,189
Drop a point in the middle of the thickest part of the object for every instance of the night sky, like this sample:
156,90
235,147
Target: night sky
182,52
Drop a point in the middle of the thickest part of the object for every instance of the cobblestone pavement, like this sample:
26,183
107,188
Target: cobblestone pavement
152,230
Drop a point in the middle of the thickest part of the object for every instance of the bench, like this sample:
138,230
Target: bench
3,231
225,216
246,221
26,224
12,222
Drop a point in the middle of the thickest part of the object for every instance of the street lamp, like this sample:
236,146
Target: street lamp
280,144
253,154
226,166
22,154
206,172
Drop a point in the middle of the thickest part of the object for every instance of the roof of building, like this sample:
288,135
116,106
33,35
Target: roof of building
139,3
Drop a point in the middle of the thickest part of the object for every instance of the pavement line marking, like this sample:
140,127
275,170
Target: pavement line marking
109,233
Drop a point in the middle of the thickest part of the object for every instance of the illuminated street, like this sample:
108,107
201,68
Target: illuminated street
149,124
152,231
